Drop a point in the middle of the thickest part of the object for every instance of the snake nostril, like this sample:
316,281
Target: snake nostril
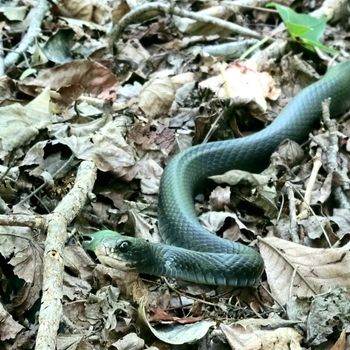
86,238
86,241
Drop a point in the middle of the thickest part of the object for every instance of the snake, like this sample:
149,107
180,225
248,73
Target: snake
188,251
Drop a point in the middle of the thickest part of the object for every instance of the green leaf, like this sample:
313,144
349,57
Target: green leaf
305,27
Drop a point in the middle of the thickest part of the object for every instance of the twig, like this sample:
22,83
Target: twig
314,214
32,221
165,8
293,224
332,156
65,212
249,5
37,15
304,208
2,63
45,183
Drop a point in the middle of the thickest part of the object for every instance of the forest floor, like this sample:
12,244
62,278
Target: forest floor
96,98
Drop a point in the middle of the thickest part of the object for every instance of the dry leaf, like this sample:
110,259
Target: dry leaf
9,328
158,93
156,97
130,341
288,154
342,219
107,147
149,174
341,342
20,124
293,269
253,334
213,221
86,10
72,79
141,225
328,316
219,198
263,192
26,259
158,315
190,26
243,84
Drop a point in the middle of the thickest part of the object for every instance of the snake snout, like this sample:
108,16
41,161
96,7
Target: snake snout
86,240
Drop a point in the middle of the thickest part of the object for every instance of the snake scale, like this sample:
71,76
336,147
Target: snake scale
189,251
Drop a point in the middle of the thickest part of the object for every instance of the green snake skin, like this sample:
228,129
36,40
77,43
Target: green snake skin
190,252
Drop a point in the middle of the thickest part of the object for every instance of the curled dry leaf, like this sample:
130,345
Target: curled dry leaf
107,147
293,269
243,84
256,334
142,227
177,334
341,218
288,154
26,258
220,197
215,220
130,341
263,192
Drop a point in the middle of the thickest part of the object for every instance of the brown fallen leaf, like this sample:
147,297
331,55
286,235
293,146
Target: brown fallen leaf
87,10
72,79
294,269
107,148
159,316
20,124
243,84
158,94
253,334
341,342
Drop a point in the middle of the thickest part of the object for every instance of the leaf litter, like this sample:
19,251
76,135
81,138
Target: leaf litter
161,92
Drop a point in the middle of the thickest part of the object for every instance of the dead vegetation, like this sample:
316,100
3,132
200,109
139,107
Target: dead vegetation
96,98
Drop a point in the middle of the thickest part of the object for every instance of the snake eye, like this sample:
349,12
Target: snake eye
124,246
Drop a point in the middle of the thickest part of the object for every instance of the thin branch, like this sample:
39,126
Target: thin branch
65,212
37,15
332,166
293,224
317,164
2,63
164,8
32,221
64,165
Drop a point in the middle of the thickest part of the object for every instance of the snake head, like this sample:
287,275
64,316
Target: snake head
111,248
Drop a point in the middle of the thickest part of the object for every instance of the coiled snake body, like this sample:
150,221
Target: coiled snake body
190,252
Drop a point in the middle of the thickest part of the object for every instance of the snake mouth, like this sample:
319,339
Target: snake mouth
113,260
101,247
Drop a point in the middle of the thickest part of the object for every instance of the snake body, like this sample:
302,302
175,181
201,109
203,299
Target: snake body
189,251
